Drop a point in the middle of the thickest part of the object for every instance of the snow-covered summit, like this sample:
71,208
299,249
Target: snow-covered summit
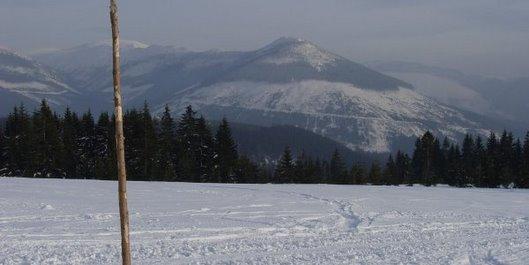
287,50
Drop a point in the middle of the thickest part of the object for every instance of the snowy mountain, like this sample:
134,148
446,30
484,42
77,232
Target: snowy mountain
499,98
288,82
23,80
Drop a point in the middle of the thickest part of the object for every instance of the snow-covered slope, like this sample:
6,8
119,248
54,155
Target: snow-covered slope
46,221
287,82
360,118
23,79
493,97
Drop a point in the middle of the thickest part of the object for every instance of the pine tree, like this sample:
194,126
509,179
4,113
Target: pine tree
402,169
469,160
3,153
479,171
19,143
186,134
48,146
134,140
105,162
225,152
491,178
245,171
524,180
204,152
284,172
148,146
389,176
454,166
338,170
70,133
86,147
358,174
168,147
375,174
505,159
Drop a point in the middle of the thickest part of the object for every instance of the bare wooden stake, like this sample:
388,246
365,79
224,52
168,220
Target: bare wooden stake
120,146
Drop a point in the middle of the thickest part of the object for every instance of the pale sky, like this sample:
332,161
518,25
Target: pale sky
489,37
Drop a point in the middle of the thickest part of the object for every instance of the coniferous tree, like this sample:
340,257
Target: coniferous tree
149,145
204,152
168,147
480,157
517,163
468,160
86,146
491,178
225,152
389,175
47,143
134,140
185,136
524,180
358,174
505,158
19,149
284,172
3,153
403,168
105,162
454,166
338,170
246,172
70,135
375,174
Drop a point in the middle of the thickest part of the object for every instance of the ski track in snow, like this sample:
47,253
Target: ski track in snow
77,222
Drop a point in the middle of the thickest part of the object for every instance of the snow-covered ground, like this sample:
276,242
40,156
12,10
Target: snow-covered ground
77,222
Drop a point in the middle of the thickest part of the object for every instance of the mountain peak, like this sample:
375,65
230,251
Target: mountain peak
289,50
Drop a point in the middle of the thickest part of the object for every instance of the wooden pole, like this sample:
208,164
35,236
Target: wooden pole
120,139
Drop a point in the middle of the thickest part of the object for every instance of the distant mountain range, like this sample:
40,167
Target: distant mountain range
499,98
288,82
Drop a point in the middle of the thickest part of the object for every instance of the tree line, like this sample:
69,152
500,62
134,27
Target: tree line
46,144
494,162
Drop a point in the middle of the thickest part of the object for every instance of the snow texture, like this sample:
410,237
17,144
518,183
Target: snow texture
45,221
358,118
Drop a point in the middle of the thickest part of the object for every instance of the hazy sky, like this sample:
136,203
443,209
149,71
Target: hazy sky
478,36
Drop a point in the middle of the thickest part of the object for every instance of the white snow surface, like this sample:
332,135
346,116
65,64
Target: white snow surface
46,221
376,115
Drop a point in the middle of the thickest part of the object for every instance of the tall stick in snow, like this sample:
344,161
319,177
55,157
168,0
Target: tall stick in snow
120,146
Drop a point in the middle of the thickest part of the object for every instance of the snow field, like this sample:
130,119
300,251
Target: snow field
48,221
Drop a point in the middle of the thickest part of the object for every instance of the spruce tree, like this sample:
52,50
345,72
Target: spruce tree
524,180
105,162
3,153
358,174
505,158
284,172
389,176
86,146
338,170
168,147
47,142
491,178
480,160
148,146
469,160
375,174
204,151
70,134
186,133
19,143
402,169
225,152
